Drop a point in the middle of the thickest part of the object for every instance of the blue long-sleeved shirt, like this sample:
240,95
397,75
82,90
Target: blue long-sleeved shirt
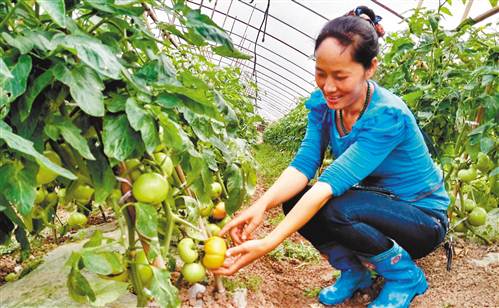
385,145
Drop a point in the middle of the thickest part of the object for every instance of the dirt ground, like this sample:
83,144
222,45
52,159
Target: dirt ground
288,283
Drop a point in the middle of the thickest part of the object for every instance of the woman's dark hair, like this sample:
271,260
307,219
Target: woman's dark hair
355,31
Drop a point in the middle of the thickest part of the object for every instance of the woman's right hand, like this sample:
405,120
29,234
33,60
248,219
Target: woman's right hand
241,227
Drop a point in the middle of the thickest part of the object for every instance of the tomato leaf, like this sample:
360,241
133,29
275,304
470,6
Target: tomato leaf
25,146
119,139
230,52
115,103
78,286
95,240
142,121
110,7
92,52
56,10
486,144
147,220
102,175
205,27
18,185
4,71
162,289
158,72
104,263
235,188
85,87
20,42
40,83
70,132
14,87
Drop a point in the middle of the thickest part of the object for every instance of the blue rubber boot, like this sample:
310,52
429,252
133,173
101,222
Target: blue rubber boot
354,276
403,278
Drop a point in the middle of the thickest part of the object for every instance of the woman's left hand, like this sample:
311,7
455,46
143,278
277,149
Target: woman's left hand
242,255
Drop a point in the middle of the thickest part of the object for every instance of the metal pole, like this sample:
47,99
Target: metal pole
388,9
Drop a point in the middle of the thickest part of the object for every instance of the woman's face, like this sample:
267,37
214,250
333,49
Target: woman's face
341,79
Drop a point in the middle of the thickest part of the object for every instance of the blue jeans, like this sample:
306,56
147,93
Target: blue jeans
363,220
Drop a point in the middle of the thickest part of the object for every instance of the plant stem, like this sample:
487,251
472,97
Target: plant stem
9,14
169,230
221,181
136,282
185,222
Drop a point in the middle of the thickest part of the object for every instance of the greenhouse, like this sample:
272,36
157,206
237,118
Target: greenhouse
249,153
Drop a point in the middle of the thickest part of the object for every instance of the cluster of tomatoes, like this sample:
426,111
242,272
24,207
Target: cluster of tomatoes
151,185
480,192
48,196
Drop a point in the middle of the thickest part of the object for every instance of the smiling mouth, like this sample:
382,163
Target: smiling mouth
333,100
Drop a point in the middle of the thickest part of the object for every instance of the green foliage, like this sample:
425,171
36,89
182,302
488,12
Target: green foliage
301,251
288,132
449,80
91,82
250,282
271,161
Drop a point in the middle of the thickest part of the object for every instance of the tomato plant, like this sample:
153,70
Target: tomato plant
107,112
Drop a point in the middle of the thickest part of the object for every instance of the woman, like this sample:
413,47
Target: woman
381,202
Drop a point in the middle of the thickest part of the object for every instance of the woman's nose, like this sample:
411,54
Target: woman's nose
329,86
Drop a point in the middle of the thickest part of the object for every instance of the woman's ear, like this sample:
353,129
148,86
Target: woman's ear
372,69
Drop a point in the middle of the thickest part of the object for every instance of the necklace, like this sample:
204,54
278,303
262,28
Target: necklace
345,132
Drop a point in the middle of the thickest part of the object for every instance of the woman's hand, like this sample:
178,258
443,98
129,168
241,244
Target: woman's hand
242,255
243,224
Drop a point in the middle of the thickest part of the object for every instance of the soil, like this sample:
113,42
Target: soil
290,283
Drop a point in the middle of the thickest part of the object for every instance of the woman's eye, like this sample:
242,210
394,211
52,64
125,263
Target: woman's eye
341,78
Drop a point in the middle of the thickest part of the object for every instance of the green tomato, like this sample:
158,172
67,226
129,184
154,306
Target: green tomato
143,268
469,205
458,227
150,188
133,166
83,194
165,162
467,175
193,272
45,175
216,190
41,193
145,274
213,229
115,195
52,198
477,217
187,250
484,163
77,219
205,209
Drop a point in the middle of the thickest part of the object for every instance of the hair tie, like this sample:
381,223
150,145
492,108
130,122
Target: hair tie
361,10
